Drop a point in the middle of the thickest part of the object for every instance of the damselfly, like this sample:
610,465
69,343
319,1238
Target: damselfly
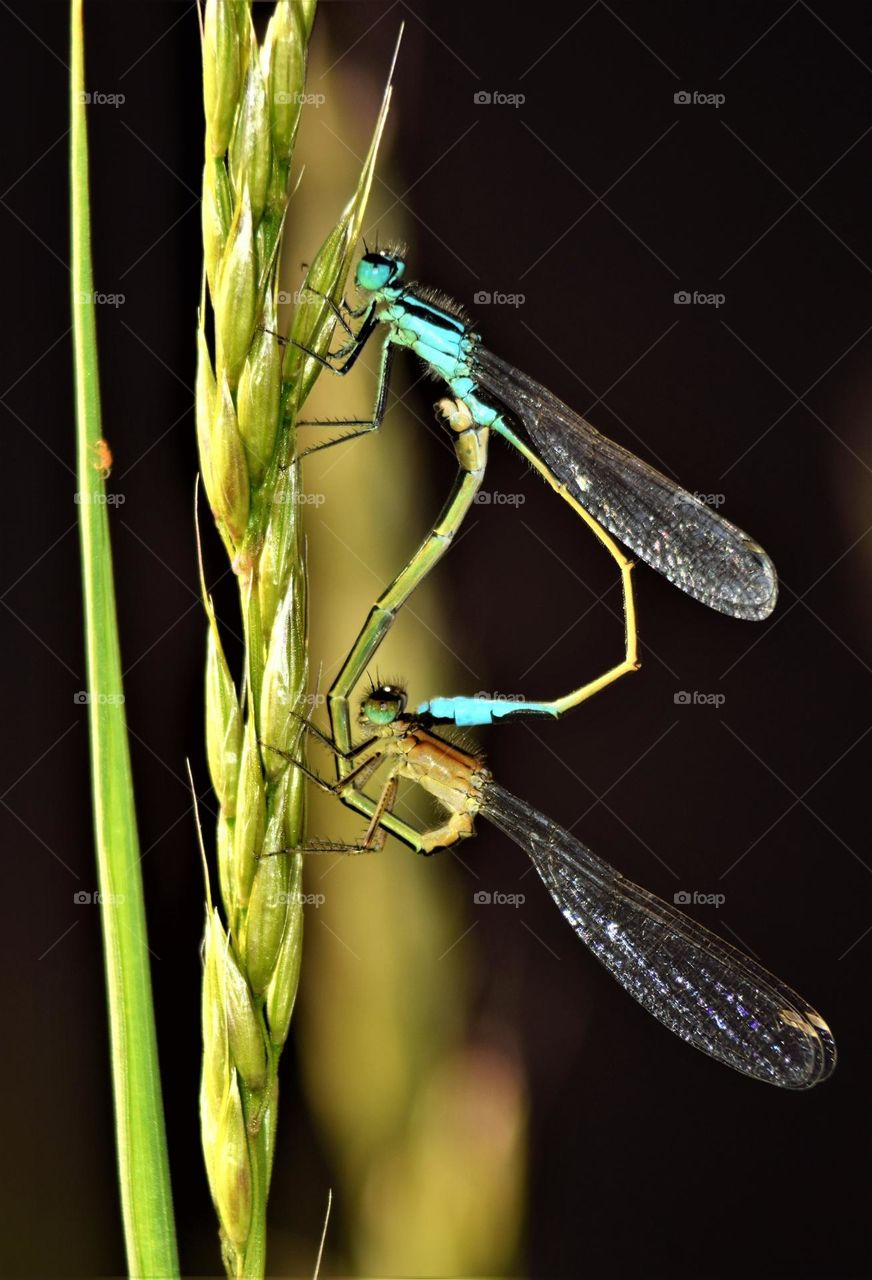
678,535
707,992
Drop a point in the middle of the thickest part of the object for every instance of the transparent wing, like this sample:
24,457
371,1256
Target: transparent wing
707,992
676,534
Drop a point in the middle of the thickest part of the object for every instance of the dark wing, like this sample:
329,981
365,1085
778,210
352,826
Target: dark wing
676,534
707,992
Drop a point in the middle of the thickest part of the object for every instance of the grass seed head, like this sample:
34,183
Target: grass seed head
268,903
236,301
286,45
245,1029
251,148
258,400
280,541
223,724
232,1168
283,680
216,214
230,481
222,71
250,821
282,991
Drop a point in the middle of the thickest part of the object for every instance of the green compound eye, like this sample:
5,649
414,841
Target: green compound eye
385,704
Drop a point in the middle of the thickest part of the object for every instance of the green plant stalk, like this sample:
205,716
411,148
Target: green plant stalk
247,398
141,1144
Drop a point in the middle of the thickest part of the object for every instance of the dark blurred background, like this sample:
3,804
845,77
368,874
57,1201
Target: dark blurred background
598,198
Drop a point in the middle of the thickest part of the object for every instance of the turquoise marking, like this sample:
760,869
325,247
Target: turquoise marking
500,425
461,384
442,361
469,712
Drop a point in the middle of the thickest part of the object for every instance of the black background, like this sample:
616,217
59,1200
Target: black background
646,1158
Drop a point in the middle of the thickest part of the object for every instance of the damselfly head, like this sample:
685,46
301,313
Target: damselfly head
384,705
377,271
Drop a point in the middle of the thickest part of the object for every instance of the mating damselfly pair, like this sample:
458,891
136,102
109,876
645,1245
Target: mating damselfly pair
611,489
708,993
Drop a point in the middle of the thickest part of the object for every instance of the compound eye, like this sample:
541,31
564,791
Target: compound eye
375,271
385,704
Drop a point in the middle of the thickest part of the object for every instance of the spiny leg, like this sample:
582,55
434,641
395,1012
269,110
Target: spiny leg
382,820
369,756
355,348
342,310
375,835
457,827
363,426
313,846
384,804
339,312
361,763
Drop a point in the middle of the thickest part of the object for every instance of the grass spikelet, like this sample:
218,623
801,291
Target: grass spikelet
247,396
